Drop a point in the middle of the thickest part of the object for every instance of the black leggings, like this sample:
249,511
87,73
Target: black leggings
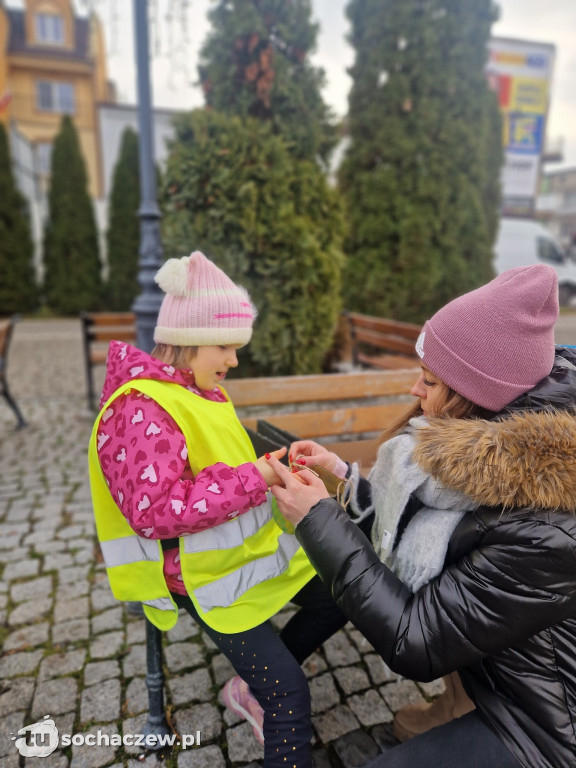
270,663
466,742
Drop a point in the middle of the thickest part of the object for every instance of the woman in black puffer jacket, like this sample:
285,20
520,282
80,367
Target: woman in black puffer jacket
501,608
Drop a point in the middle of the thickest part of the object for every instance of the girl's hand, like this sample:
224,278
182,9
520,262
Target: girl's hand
266,469
296,493
307,453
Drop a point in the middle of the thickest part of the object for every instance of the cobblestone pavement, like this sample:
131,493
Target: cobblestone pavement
72,652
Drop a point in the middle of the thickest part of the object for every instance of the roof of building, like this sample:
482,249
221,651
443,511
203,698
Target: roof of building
17,43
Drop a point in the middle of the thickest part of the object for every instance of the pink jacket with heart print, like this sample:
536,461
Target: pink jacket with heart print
139,436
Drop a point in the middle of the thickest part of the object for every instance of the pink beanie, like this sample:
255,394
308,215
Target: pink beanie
497,342
202,305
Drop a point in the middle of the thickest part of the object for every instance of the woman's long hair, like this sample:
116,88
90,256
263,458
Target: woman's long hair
455,407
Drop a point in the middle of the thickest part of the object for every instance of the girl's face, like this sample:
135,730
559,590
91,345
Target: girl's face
431,391
210,364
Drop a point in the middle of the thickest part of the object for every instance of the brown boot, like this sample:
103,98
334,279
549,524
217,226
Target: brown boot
419,718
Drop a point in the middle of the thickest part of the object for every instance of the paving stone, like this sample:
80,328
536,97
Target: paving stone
3,599
360,641
16,694
73,532
11,534
30,611
73,590
184,629
205,718
11,724
85,756
72,574
135,631
55,697
195,686
102,599
37,634
320,757
20,569
57,562
71,631
379,671
134,663
13,664
203,757
314,664
243,745
101,702
97,671
433,689
355,749
339,651
14,555
222,669
32,589
179,656
58,664
334,723
134,726
64,610
352,679
108,620
370,708
399,694
137,699
383,735
106,645
323,693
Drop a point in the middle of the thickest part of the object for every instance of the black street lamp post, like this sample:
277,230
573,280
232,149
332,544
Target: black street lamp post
146,308
147,304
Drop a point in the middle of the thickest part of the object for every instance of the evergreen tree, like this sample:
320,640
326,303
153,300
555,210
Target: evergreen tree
124,227
18,291
272,224
421,173
256,62
72,277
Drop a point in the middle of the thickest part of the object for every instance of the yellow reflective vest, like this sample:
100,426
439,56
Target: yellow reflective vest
237,574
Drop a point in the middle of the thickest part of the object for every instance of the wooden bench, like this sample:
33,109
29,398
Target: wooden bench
6,328
381,343
347,412
98,330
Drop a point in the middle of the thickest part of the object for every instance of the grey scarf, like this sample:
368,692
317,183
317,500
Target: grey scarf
420,553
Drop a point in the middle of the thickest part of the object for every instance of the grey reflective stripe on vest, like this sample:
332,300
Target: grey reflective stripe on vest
225,591
229,535
130,549
162,603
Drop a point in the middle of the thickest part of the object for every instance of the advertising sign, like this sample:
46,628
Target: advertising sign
521,74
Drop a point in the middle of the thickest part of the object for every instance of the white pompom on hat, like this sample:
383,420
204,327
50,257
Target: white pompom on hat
202,305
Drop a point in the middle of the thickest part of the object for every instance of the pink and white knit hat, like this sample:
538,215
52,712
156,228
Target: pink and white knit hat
497,342
202,305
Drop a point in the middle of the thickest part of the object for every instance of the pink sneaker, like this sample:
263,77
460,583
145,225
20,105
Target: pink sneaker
237,697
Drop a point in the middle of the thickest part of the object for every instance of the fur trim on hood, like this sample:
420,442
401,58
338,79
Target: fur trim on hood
525,460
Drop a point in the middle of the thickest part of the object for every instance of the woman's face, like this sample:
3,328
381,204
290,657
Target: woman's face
210,364
431,391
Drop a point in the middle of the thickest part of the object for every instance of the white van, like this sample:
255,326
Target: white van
522,242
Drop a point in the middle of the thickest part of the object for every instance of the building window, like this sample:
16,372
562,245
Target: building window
55,97
49,29
44,157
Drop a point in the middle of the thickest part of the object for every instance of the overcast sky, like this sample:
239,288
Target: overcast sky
548,21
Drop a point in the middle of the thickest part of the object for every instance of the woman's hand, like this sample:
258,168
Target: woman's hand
307,453
296,492
266,469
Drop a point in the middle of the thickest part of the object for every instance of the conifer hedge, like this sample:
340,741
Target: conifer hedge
72,280
421,173
234,192
124,227
18,289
